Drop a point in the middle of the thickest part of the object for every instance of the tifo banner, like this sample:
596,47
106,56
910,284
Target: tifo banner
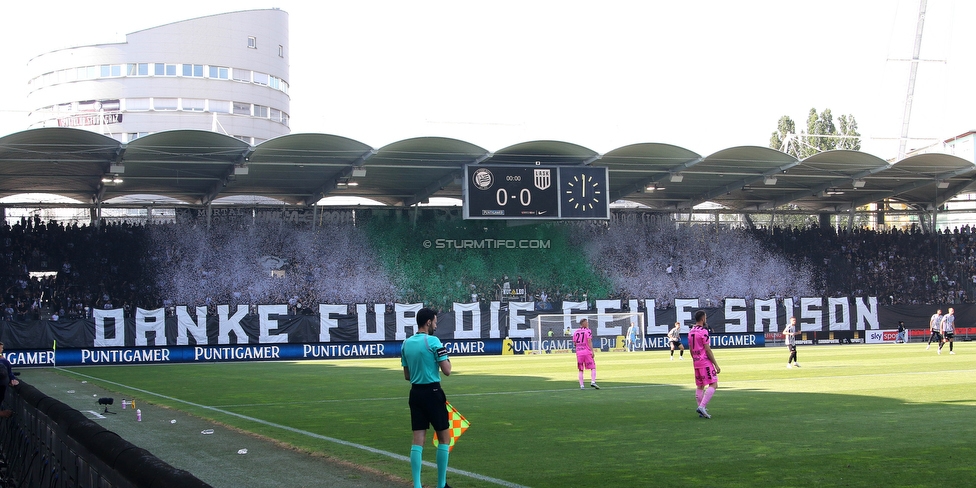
272,324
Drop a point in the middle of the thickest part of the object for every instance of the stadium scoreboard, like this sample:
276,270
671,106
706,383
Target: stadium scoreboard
535,192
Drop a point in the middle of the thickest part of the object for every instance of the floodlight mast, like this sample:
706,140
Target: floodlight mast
912,73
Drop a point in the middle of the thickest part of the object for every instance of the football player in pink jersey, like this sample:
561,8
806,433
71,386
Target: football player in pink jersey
583,340
706,369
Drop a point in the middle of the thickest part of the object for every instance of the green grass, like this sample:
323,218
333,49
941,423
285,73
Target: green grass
861,415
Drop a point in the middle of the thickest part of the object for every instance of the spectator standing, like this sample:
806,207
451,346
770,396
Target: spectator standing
6,379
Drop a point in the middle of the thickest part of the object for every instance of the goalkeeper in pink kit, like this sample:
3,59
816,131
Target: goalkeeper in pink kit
583,340
706,369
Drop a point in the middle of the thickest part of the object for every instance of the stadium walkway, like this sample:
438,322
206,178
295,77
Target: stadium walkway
213,457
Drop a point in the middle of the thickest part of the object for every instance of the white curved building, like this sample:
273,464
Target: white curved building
225,73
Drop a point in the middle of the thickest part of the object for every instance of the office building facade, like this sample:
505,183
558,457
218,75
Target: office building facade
226,73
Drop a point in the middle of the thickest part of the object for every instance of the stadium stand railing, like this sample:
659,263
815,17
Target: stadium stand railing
47,443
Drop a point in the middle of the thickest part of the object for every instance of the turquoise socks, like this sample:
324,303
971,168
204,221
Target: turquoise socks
416,461
443,452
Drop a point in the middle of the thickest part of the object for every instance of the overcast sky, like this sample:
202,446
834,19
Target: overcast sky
704,75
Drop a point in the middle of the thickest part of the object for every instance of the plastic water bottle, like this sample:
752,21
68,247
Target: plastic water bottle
139,415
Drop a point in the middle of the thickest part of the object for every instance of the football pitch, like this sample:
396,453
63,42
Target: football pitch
852,415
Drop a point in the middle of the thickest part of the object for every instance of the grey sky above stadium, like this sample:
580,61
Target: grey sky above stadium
703,75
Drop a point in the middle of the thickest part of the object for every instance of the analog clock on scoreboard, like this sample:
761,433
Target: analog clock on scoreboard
583,193
535,192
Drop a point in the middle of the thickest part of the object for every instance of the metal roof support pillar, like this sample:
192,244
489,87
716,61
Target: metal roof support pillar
923,221
850,220
824,221
772,220
209,212
95,214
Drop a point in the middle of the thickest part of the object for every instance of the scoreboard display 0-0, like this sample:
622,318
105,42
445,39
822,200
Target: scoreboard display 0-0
535,192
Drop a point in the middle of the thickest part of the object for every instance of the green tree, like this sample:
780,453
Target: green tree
820,135
784,139
848,128
818,126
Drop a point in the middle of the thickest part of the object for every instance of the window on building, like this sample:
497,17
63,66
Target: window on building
219,72
163,69
281,51
137,104
109,70
242,75
241,108
165,103
137,69
194,70
260,78
260,111
276,115
194,104
252,42
219,106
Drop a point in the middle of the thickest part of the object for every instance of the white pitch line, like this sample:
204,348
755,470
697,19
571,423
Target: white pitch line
373,450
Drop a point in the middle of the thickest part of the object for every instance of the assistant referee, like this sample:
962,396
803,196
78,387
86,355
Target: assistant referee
423,358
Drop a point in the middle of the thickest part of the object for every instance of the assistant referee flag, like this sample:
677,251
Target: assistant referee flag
457,425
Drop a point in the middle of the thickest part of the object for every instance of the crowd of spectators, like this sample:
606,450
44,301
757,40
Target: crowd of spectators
55,270
897,266
297,265
660,259
66,270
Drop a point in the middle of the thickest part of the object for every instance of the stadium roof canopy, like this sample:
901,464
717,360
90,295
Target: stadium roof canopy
198,167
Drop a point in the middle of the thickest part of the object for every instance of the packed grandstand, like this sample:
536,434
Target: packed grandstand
55,269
